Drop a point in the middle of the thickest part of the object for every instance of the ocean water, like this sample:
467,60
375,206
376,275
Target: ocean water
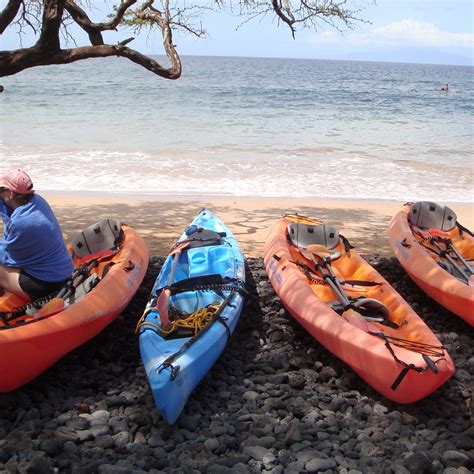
244,127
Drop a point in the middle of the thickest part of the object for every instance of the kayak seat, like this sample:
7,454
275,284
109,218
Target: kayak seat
303,235
428,215
104,235
204,238
209,260
369,308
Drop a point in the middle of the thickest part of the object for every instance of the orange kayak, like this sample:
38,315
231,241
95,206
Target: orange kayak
110,261
348,307
437,253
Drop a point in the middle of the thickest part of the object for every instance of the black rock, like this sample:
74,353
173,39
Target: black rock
274,395
51,446
419,463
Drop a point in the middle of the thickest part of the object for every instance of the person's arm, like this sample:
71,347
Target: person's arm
15,246
4,215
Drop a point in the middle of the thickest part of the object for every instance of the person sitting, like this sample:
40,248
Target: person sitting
445,88
34,259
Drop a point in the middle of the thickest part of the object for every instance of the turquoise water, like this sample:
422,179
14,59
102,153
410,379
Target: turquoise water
245,126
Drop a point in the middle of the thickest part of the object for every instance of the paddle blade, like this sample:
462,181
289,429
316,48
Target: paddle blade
162,306
179,247
319,250
438,233
359,321
97,255
52,307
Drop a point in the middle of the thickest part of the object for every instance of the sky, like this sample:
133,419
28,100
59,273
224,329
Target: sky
416,31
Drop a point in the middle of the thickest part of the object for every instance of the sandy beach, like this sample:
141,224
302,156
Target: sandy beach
161,222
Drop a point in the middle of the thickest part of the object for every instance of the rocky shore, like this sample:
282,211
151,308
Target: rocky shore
275,402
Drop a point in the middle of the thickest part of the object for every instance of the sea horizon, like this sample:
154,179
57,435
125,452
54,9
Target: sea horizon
315,59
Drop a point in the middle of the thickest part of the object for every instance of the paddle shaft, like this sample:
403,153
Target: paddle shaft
173,268
330,278
444,252
433,236
461,258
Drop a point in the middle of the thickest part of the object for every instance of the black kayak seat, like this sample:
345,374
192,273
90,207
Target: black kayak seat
303,235
205,238
427,215
104,235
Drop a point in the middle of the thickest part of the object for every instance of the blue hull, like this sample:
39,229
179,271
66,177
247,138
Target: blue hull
172,384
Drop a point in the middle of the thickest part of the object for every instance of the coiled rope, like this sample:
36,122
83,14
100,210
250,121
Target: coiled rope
195,321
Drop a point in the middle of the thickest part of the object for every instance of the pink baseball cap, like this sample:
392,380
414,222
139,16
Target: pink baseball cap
17,181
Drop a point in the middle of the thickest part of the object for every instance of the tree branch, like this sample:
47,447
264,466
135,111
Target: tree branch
94,29
8,14
49,16
289,21
52,17
81,18
12,62
147,12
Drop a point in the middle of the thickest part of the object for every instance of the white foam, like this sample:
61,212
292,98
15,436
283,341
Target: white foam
319,173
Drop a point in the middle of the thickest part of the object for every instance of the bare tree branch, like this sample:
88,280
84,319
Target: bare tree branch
54,19
9,13
148,12
94,29
30,57
289,20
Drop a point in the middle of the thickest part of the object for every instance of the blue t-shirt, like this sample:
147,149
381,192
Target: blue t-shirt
33,241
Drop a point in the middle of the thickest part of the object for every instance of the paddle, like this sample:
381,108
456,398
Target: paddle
321,253
359,321
52,307
315,258
449,245
101,255
433,235
87,263
162,304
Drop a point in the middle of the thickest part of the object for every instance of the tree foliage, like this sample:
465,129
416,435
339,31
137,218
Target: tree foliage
54,21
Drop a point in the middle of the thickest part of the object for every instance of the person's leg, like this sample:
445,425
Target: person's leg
9,281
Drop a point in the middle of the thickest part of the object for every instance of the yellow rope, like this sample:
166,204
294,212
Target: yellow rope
196,321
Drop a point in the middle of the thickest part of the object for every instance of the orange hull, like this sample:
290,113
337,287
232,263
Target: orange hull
28,350
422,267
348,338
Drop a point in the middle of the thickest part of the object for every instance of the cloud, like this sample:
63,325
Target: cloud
406,32
422,34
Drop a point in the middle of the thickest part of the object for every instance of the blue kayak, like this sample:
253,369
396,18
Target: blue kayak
200,294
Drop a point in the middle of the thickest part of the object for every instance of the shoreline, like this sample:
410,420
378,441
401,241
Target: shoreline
138,197
161,220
